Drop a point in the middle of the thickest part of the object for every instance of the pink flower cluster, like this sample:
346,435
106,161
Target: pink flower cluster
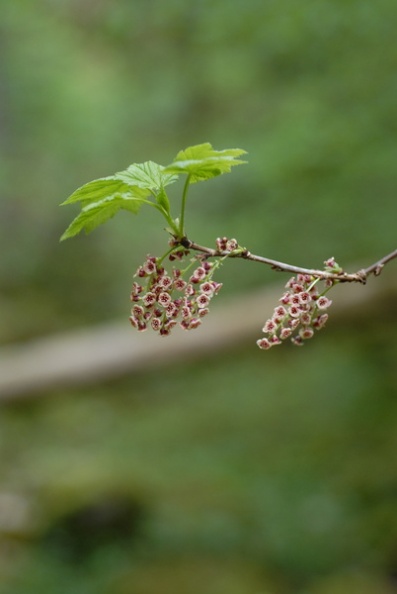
223,244
302,311
165,300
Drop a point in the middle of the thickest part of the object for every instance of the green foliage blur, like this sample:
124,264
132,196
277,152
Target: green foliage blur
248,472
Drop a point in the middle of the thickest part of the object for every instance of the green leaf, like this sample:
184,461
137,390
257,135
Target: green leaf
96,213
202,162
148,175
102,188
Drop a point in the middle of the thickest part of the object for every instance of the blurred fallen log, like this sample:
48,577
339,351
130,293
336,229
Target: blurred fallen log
110,350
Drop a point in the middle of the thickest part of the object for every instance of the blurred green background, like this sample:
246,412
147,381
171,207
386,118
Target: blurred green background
248,472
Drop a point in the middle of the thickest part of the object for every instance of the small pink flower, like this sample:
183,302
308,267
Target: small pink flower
221,243
190,324
323,302
202,300
263,343
305,318
286,298
293,323
285,333
177,255
149,299
304,278
295,300
294,311
198,274
164,299
155,324
231,245
134,321
137,311
280,311
269,327
149,266
165,282
320,321
180,284
136,288
171,310
290,282
207,288
203,312
330,263
297,287
277,319
217,286
304,297
306,333
190,290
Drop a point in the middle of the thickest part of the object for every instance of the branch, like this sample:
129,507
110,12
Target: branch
358,277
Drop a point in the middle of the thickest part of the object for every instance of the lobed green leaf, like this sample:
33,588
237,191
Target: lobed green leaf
96,213
102,188
148,175
203,162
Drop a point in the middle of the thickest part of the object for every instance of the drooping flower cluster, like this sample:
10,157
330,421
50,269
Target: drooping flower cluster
162,300
301,312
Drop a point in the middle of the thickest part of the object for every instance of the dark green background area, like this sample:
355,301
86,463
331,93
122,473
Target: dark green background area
247,472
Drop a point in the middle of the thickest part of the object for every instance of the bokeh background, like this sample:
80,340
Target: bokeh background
239,472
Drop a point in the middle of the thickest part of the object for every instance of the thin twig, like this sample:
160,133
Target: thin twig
377,268
359,277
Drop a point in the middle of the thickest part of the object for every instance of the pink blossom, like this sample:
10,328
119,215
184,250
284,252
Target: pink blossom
164,299
305,318
207,288
285,333
304,297
323,302
263,343
149,299
137,311
221,243
306,332
286,298
155,324
269,327
231,245
149,266
280,311
165,282
198,274
294,311
171,310
180,284
202,300
320,321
